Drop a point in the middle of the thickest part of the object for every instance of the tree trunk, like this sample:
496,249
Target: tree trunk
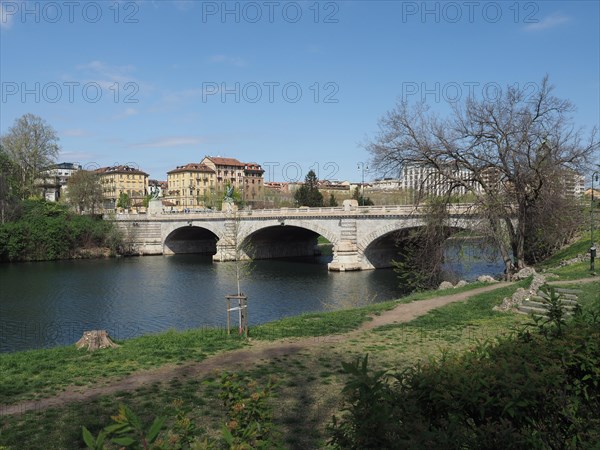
504,253
95,339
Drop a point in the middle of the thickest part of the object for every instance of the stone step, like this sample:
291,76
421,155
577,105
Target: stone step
562,296
569,291
564,302
545,306
532,310
539,312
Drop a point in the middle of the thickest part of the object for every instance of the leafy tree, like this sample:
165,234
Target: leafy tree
48,231
123,201
84,191
32,145
146,200
9,188
504,153
332,201
308,194
362,201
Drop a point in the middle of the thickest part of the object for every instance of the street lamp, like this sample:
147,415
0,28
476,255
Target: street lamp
593,247
363,167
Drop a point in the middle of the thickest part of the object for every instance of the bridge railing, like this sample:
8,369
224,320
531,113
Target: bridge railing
457,209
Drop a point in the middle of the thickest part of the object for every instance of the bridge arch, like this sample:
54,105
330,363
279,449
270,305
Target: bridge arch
189,238
378,248
284,238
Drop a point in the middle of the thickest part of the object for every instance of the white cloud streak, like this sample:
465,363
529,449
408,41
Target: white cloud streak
548,22
171,141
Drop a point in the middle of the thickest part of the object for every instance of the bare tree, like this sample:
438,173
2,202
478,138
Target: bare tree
32,144
504,153
84,191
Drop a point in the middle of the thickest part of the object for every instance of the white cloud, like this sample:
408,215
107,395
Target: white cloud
172,141
107,75
548,22
230,60
183,5
75,132
129,112
76,157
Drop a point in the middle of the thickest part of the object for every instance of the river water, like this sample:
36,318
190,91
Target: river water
45,304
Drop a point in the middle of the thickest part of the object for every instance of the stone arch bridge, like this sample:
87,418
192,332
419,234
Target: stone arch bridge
363,237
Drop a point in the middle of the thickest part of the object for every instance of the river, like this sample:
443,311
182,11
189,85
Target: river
45,304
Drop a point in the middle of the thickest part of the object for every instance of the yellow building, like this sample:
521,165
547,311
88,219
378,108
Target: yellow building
116,180
191,185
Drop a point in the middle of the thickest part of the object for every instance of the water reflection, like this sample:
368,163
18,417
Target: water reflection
52,303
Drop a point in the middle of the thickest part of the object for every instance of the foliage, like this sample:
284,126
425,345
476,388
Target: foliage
32,145
577,247
47,231
505,153
362,201
123,200
248,423
332,201
369,406
127,431
10,189
249,417
84,191
308,194
146,200
531,391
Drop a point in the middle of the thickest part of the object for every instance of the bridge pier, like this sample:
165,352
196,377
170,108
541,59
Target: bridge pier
345,253
345,258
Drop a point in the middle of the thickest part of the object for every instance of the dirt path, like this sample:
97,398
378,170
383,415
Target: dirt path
259,350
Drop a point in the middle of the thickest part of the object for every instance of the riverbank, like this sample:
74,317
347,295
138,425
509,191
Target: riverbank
49,231
304,353
47,395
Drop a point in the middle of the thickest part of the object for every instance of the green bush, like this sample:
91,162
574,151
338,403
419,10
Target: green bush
49,231
538,390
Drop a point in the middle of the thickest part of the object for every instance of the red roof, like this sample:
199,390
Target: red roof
192,167
120,169
225,161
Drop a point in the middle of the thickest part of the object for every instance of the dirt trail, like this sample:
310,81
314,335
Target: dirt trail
258,350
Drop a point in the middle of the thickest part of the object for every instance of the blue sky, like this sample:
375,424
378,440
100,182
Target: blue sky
290,85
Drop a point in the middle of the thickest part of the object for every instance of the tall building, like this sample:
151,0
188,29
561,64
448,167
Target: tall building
246,178
193,184
53,181
429,180
116,180
253,182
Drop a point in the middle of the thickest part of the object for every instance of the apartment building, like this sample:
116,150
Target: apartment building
253,182
246,178
192,185
53,181
116,180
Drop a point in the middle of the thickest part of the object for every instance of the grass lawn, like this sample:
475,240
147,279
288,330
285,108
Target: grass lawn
42,373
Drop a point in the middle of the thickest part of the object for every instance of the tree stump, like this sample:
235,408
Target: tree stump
95,339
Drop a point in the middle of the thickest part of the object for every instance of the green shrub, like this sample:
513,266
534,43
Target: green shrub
48,231
537,390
